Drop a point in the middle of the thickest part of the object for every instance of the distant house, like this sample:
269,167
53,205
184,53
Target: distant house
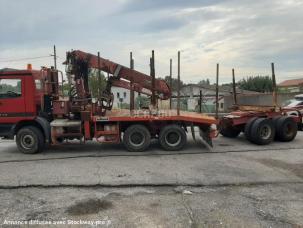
291,86
191,96
121,96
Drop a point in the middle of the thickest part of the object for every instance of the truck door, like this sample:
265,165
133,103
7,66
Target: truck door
12,101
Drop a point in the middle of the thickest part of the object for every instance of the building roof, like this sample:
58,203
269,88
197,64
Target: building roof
292,82
7,69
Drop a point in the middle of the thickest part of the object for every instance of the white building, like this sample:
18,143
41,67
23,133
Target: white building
121,96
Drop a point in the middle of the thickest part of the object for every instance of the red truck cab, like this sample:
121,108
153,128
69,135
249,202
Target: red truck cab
21,98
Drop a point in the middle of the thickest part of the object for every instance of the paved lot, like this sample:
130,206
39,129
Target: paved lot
235,183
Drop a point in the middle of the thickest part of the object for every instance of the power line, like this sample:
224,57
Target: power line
29,58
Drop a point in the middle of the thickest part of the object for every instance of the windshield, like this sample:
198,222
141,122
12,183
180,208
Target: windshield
10,88
293,103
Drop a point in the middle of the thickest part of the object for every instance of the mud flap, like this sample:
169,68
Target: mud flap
206,139
193,132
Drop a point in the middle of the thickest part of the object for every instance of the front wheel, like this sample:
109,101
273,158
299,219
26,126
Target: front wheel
30,140
172,137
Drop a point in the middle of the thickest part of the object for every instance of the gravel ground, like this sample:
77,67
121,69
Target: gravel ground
235,184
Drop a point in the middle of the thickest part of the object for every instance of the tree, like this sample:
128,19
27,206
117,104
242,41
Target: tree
258,83
93,82
204,82
174,83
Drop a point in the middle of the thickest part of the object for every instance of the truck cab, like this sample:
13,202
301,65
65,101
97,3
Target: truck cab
21,103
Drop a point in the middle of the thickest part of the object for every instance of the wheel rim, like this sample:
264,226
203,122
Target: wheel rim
137,139
172,139
27,141
265,132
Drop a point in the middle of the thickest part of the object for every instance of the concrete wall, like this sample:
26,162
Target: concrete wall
257,99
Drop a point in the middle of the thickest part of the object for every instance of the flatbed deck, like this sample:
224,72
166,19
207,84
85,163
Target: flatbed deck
121,115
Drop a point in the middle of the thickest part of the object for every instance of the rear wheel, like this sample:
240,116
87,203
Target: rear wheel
172,137
263,131
136,138
30,140
230,131
286,129
248,127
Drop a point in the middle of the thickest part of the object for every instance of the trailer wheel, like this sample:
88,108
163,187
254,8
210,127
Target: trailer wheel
172,137
286,129
30,140
263,131
230,132
136,138
248,127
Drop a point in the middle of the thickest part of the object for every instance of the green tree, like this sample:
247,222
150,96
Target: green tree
204,82
174,83
256,83
93,82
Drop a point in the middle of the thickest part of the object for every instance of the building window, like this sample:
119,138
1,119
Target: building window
222,105
10,88
124,94
118,94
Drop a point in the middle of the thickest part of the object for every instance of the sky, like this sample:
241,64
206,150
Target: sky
242,34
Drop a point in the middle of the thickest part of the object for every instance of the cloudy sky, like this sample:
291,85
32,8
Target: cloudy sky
242,34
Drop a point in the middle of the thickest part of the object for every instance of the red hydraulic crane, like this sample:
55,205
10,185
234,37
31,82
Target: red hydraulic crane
80,62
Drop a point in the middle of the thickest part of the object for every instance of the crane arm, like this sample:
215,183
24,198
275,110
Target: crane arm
121,76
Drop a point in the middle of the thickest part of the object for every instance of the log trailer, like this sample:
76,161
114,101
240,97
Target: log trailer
261,124
34,111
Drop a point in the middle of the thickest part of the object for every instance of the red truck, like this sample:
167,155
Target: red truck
34,111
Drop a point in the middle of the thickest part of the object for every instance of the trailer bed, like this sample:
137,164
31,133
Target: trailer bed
122,115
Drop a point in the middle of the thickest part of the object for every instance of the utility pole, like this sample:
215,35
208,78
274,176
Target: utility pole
55,58
132,93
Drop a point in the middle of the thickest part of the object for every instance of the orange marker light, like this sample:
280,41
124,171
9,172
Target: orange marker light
29,66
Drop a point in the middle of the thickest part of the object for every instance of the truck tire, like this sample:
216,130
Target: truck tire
248,127
30,140
262,131
136,138
230,132
286,129
172,137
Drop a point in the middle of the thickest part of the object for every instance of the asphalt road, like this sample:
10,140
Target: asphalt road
235,183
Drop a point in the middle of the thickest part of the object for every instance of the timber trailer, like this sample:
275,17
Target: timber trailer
34,110
261,124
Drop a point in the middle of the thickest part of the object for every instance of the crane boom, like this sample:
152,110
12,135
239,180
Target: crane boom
121,75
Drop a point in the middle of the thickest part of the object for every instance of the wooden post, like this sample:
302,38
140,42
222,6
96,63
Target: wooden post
217,92
170,81
274,85
153,75
234,87
200,98
99,77
132,93
178,92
